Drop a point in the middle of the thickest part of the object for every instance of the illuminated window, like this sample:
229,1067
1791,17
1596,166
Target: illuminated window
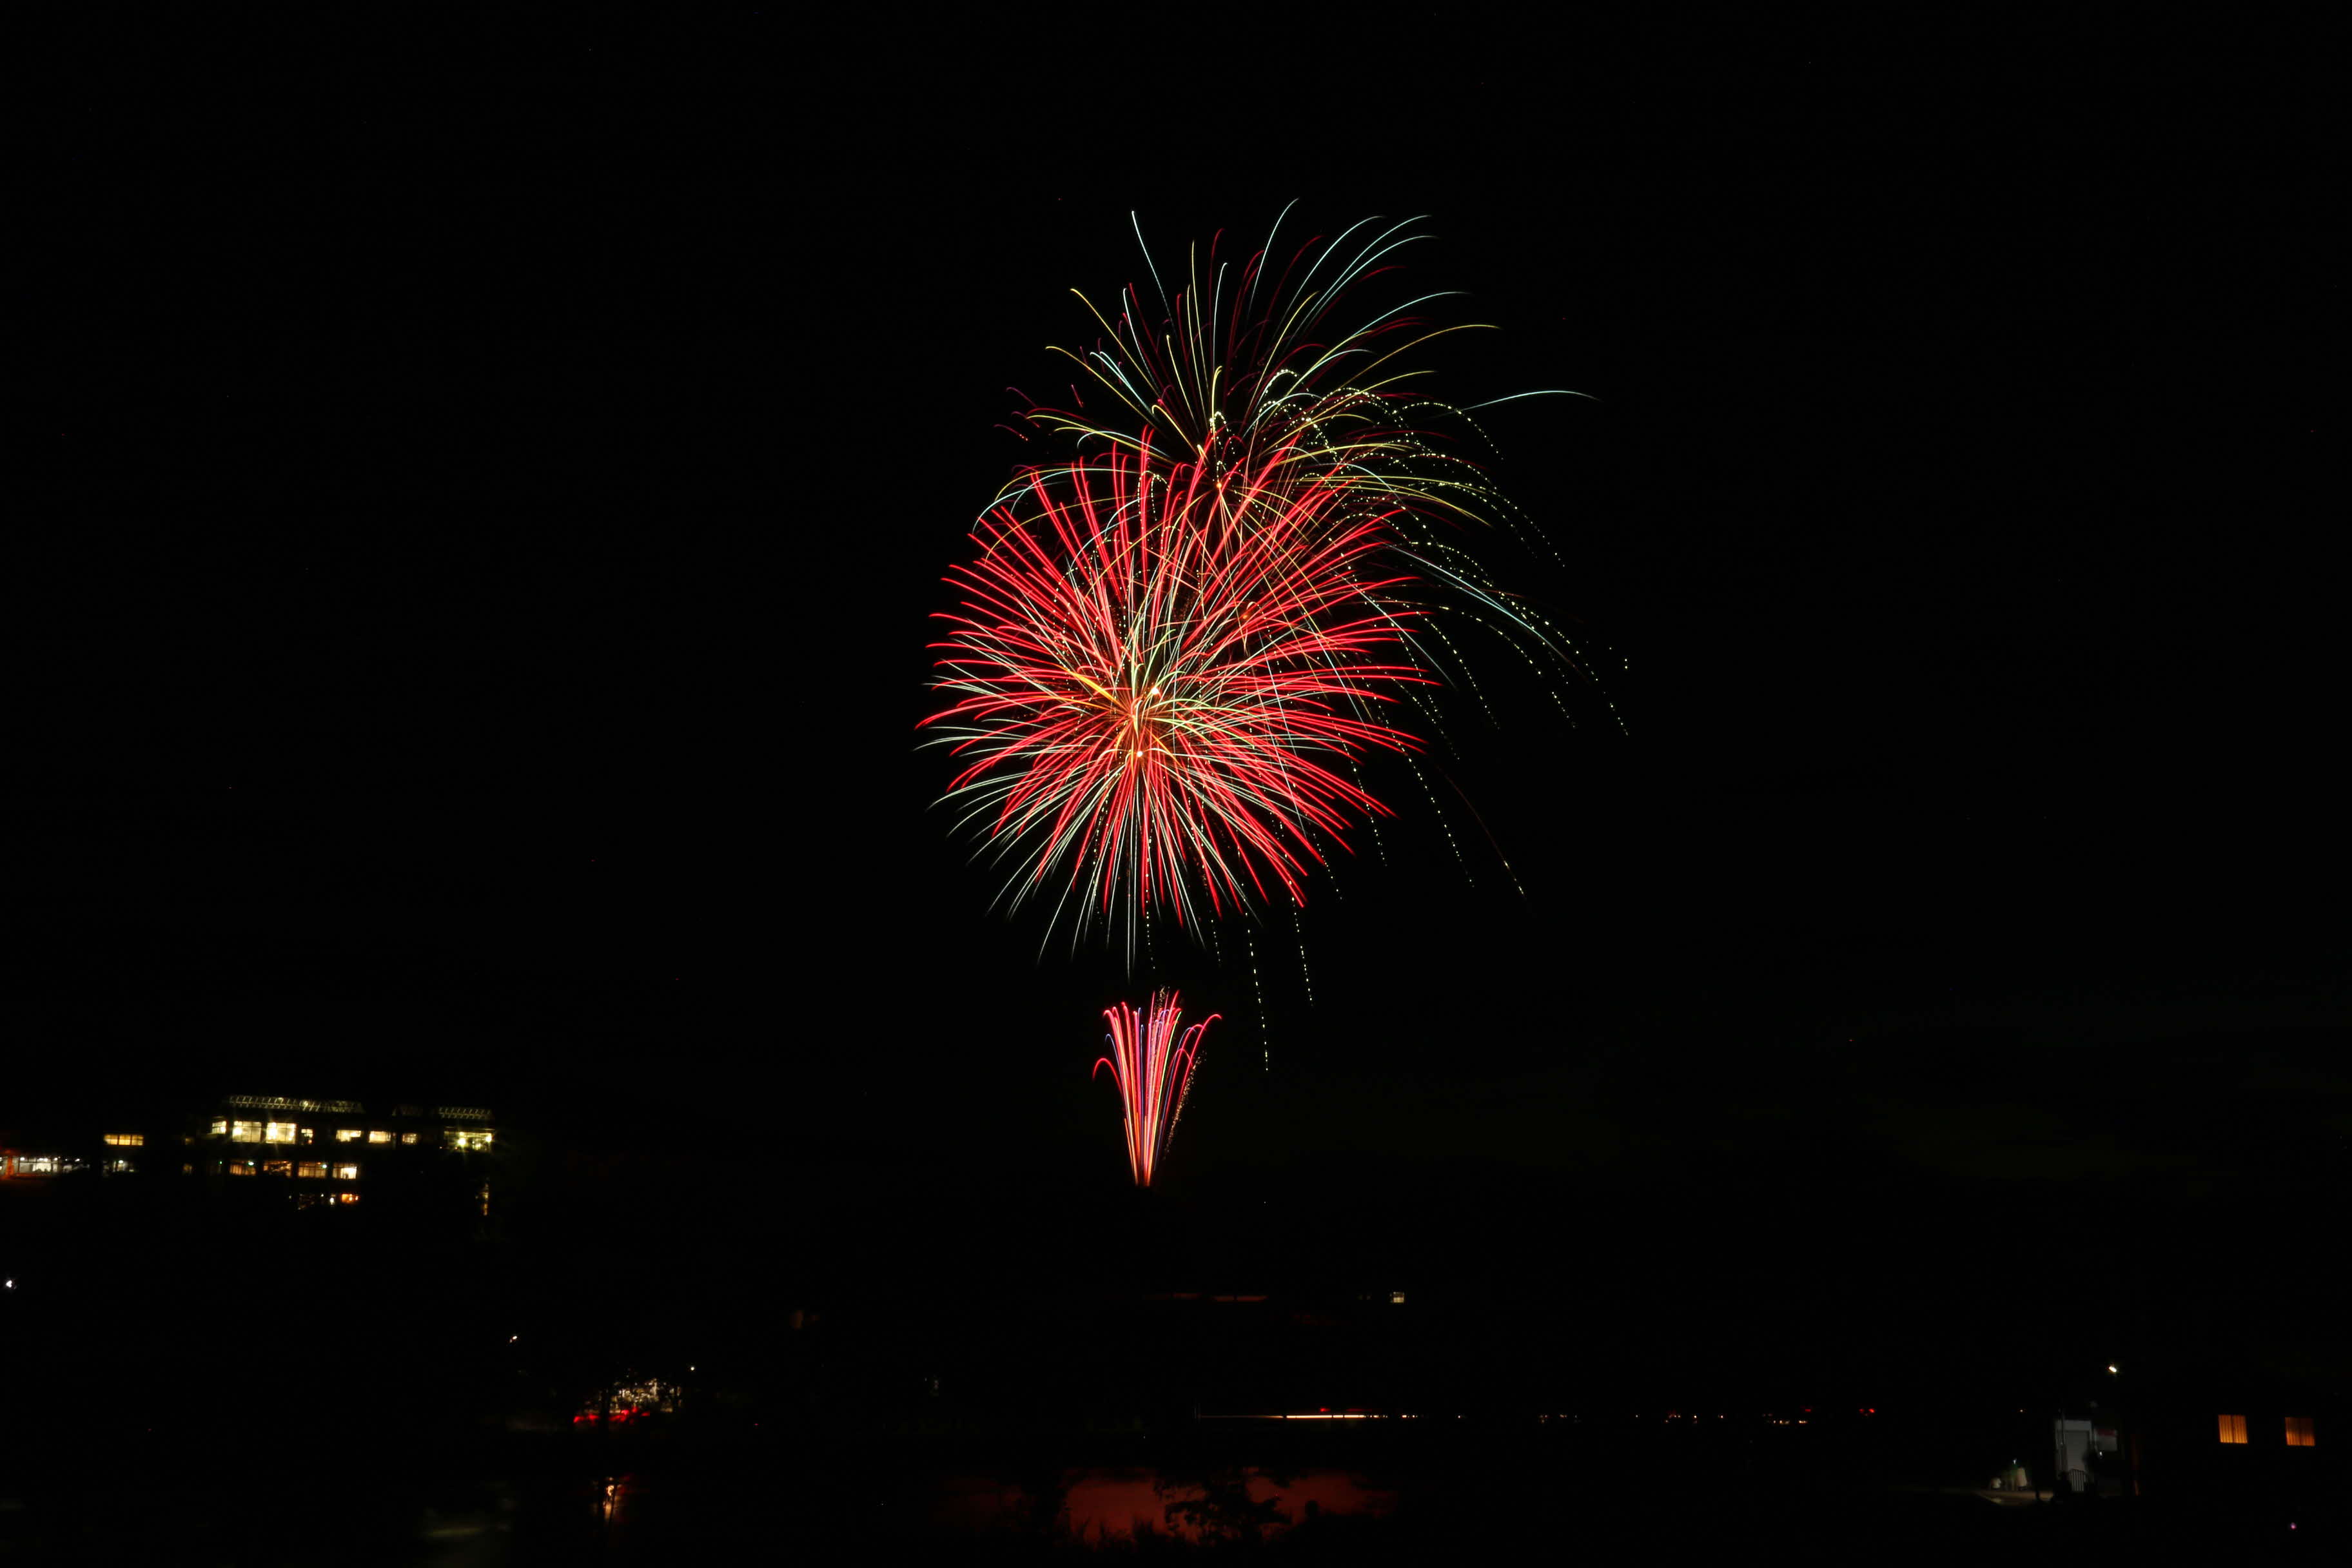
2233,1428
347,1198
119,1166
408,1138
347,1173
347,1134
127,1140
245,1132
312,1170
485,1196
220,1128
306,1135
463,1140
188,1170
37,1165
379,1136
278,1132
2298,1433
242,1168
277,1167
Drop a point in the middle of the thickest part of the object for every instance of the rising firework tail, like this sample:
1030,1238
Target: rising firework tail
1151,1058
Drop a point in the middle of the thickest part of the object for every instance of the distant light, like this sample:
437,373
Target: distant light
2111,1366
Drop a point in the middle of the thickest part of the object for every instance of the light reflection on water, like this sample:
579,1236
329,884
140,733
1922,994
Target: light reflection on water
1110,1504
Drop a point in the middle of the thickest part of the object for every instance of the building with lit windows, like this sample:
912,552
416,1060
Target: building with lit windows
338,1153
2229,1442
268,1151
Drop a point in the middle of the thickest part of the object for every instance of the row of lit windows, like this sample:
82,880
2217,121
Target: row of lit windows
351,1107
2298,1431
461,1138
286,1132
311,1170
279,1102
127,1140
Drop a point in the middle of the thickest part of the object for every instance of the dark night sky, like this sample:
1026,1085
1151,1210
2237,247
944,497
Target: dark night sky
490,540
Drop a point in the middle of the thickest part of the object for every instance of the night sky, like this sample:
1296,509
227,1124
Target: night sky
480,624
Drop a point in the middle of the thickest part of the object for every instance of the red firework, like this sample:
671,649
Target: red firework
1149,659
1151,1060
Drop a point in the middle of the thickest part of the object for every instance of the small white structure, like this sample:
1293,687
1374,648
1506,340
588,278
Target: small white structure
2071,1446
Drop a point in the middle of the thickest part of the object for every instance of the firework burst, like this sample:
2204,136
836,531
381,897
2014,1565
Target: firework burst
1152,667
1180,640
1151,1060
1269,362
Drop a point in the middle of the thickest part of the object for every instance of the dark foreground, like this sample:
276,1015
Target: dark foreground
1271,1490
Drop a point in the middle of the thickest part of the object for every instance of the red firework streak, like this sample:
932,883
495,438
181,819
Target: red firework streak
1147,664
1151,1059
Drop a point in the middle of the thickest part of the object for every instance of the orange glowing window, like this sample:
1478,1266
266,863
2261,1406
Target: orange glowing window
379,1136
347,1198
348,1134
127,1140
347,1173
312,1170
2233,1428
2298,1432
242,1168
277,1167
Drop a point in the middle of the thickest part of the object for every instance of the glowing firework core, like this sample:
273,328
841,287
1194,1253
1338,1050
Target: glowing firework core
1151,1060
1148,688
